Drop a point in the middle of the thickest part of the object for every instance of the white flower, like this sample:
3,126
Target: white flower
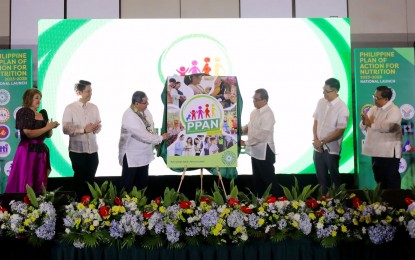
320,225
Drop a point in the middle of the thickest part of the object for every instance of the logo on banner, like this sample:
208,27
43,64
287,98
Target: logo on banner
4,115
407,111
408,147
4,149
402,165
4,132
8,167
15,112
407,128
202,113
4,97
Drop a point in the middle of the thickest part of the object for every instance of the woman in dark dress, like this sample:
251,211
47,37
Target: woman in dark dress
31,163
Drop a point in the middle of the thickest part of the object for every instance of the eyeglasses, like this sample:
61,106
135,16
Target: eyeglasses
327,91
377,98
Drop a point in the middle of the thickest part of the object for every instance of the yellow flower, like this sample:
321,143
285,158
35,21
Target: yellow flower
27,222
218,226
321,219
122,209
355,222
340,210
388,219
344,229
215,232
368,219
413,212
261,221
361,207
189,211
77,222
333,233
324,203
91,206
351,196
135,199
295,204
115,210
261,209
20,229
238,229
107,223
80,206
91,227
311,216
162,209
295,224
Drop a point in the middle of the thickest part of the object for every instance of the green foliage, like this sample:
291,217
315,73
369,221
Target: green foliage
329,242
152,242
217,196
375,195
296,194
32,196
234,190
170,197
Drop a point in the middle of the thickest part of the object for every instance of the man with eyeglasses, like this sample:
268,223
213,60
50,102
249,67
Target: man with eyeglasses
330,121
383,140
136,140
260,144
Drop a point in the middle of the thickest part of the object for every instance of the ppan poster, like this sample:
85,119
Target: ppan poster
394,68
15,78
202,120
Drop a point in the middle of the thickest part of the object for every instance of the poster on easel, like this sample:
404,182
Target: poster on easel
15,78
202,120
394,68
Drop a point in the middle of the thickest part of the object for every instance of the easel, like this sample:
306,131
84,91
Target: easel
201,179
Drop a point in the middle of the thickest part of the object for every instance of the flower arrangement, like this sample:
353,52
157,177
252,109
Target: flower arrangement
34,217
126,219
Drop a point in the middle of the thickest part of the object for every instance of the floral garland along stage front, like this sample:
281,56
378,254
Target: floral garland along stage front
174,221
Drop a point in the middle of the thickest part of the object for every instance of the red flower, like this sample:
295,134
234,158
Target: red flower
147,215
204,199
271,199
233,201
320,212
118,201
185,204
3,209
325,198
312,203
283,198
85,200
27,200
104,211
246,210
356,202
409,201
157,200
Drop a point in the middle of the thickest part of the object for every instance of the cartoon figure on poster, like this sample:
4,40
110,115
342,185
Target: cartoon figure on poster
208,124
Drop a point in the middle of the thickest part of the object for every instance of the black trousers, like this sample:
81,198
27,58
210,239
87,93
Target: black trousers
264,173
326,163
84,166
386,171
133,176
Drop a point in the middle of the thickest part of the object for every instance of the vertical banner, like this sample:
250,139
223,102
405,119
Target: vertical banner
15,78
394,68
202,119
